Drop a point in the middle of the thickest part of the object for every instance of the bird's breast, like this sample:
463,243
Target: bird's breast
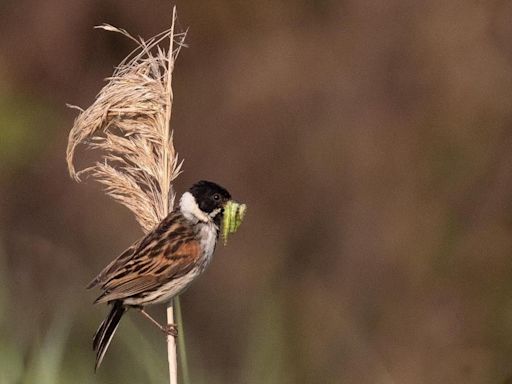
207,235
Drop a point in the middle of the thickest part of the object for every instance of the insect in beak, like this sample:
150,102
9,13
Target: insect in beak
234,213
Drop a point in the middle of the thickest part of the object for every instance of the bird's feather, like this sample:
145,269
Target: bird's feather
168,252
106,330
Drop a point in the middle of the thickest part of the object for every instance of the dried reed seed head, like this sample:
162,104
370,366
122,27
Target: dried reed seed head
129,122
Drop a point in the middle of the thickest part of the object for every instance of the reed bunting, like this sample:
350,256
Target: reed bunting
163,263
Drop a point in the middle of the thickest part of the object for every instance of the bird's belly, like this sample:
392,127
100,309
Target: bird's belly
165,292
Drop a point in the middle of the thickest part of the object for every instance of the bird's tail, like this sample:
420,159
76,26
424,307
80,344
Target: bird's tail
106,330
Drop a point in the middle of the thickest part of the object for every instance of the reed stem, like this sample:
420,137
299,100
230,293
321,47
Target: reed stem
182,348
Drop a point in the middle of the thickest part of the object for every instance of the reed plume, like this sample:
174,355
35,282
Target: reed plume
129,124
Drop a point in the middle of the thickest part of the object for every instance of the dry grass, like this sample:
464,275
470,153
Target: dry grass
129,122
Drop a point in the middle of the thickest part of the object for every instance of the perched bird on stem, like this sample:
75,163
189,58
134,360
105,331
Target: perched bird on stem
163,263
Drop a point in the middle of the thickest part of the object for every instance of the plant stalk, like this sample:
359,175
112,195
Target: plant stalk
171,342
182,348
171,348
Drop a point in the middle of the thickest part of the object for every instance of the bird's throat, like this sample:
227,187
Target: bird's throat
190,209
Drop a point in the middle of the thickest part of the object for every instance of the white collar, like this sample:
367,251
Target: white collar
191,210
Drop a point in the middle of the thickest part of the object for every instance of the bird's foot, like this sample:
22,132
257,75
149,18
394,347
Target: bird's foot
170,329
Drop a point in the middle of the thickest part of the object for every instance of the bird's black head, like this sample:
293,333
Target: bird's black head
209,196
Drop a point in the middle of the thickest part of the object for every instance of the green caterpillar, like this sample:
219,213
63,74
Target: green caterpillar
233,215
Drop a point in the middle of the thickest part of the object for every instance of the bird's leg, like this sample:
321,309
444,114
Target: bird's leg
168,329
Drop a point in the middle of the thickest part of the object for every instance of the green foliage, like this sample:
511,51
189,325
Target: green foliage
265,361
45,366
24,124
11,362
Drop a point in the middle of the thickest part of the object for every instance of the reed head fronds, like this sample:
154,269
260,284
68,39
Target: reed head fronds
129,123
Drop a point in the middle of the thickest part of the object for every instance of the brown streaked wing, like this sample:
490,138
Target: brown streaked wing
120,260
137,249
148,273
129,288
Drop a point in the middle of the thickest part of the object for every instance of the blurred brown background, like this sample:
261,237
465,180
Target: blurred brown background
371,141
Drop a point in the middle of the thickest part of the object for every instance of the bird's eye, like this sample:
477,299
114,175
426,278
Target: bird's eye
216,197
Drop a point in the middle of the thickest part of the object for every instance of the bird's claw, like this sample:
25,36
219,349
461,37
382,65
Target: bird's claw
170,329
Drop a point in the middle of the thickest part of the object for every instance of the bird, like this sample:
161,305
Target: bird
163,263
